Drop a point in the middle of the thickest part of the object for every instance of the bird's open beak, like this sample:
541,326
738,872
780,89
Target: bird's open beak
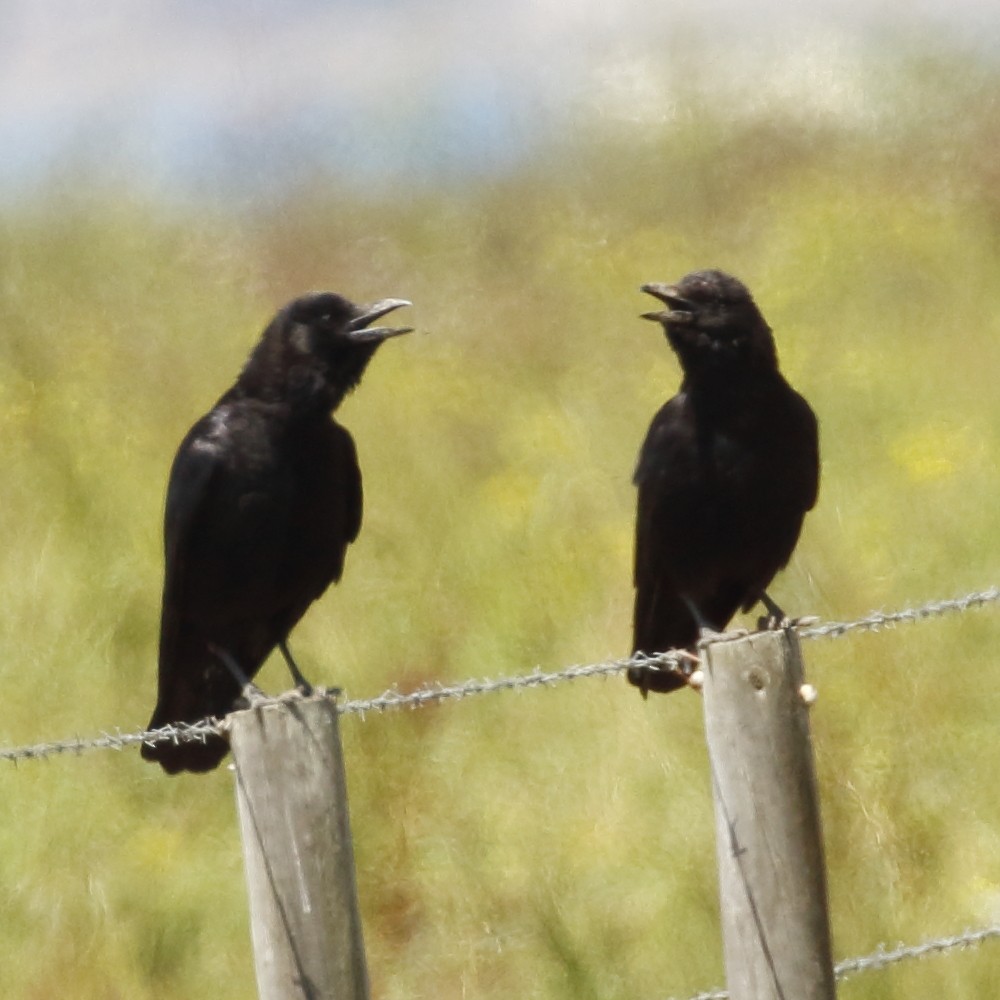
360,330
679,309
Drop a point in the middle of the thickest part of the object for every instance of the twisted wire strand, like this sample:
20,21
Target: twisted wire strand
431,694
878,620
883,957
438,693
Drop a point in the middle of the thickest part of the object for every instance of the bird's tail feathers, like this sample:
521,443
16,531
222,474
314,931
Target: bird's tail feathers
212,693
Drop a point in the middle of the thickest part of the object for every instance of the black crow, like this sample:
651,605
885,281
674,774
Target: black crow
725,476
264,498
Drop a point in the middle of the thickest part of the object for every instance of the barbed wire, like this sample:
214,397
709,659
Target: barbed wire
435,694
438,693
883,957
183,732
878,620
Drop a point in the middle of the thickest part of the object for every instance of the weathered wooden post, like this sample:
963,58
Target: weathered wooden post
292,798
772,881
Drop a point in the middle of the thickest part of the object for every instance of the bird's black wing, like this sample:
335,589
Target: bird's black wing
806,430
667,479
350,496
324,517
183,668
200,458
779,484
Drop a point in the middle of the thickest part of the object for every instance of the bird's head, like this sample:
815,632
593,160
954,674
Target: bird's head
317,348
713,323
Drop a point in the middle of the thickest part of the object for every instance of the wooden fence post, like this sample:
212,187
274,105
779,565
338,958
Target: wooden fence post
772,882
292,798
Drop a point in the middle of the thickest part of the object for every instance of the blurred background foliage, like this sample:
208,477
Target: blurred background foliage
557,843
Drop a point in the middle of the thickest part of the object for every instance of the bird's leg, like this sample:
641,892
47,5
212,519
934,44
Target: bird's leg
248,689
300,682
776,619
705,628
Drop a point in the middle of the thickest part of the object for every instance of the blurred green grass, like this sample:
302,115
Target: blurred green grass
555,843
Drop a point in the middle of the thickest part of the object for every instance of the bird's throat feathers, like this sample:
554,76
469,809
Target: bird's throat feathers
286,367
722,355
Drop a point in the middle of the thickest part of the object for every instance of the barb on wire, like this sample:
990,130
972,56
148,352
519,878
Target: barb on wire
429,695
887,619
181,732
435,694
882,956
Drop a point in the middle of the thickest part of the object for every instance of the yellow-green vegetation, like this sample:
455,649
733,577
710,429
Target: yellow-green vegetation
557,843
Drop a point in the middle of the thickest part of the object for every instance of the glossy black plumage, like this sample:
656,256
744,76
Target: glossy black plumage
726,474
264,497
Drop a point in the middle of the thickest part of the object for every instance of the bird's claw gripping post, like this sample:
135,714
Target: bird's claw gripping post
777,621
253,695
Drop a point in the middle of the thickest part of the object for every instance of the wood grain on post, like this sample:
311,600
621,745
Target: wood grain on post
292,798
772,881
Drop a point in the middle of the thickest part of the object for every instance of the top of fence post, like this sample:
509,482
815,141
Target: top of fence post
292,797
772,881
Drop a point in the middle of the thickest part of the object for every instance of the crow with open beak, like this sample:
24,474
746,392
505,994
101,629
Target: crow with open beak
263,500
726,474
